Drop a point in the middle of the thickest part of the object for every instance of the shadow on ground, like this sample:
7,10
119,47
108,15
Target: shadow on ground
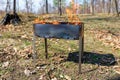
93,58
116,77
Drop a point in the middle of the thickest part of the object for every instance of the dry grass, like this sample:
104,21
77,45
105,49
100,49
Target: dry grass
16,48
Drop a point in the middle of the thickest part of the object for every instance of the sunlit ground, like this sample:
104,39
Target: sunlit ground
16,49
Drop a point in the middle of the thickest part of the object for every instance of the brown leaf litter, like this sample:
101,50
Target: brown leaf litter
107,38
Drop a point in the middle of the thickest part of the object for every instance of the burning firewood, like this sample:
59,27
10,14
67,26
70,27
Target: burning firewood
57,20
71,18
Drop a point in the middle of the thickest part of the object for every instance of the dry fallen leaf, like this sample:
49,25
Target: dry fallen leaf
27,72
108,38
67,77
54,78
5,64
117,69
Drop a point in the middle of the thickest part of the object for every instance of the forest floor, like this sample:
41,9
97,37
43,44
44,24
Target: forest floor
101,52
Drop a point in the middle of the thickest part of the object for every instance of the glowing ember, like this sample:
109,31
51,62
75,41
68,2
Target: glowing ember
39,21
55,22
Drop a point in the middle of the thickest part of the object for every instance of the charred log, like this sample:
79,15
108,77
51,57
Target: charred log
6,20
15,20
11,19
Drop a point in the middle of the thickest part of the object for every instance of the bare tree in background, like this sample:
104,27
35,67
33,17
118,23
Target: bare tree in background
31,6
109,6
14,7
18,6
116,7
92,7
60,7
85,6
113,6
42,8
59,4
103,6
8,6
47,6
2,2
27,6
100,8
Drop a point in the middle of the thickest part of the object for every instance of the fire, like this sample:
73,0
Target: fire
71,15
55,22
36,21
73,6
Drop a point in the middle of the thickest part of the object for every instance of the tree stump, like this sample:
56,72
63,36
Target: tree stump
11,19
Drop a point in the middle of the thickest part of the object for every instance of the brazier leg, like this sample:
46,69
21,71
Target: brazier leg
81,46
80,53
46,51
82,39
34,52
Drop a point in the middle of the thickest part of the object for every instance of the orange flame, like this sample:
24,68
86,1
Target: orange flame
36,21
55,22
71,13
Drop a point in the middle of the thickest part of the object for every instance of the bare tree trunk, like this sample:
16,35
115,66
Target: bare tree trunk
31,6
103,6
87,7
47,6
84,7
116,7
112,6
109,6
92,7
14,7
60,7
18,6
27,6
8,6
100,6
